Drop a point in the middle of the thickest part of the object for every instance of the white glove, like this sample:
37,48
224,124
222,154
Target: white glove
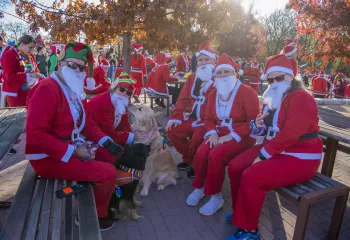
90,83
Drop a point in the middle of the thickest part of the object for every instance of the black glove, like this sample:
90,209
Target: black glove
115,149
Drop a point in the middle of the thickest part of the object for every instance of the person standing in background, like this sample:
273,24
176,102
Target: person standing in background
53,60
41,60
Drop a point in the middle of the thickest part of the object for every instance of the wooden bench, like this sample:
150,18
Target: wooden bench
37,213
313,191
152,96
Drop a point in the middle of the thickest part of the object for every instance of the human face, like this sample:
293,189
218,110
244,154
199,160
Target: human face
27,49
204,59
41,52
78,62
223,72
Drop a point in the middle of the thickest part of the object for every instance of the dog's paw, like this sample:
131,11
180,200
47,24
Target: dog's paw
138,203
160,187
144,192
137,217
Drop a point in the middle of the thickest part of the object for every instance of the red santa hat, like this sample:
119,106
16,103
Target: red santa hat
207,49
101,49
290,48
104,63
124,80
161,58
277,63
225,61
290,42
138,47
322,73
255,64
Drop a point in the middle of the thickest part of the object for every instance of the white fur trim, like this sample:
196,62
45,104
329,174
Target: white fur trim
90,83
11,94
304,156
289,54
263,77
265,153
221,66
175,121
130,138
240,72
197,54
36,156
209,54
279,69
103,140
68,153
104,65
235,136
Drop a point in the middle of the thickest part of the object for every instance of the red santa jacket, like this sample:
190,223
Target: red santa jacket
138,64
160,77
290,122
102,82
243,106
14,74
319,85
347,91
4,49
247,70
188,102
150,78
183,64
50,122
102,111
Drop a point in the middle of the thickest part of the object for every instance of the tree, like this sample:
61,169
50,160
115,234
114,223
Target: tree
14,30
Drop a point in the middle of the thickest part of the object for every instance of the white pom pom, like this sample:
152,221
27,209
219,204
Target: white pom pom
90,83
240,72
263,77
197,54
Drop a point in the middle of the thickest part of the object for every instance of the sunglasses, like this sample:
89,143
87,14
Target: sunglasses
74,66
279,78
128,93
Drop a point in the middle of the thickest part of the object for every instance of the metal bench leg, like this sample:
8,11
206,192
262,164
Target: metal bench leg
337,217
329,157
167,107
302,217
151,103
144,96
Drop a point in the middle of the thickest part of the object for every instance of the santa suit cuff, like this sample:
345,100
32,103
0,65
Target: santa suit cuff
103,140
175,121
264,154
130,139
68,153
235,136
210,132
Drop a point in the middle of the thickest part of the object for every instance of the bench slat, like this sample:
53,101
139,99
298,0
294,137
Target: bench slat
68,219
57,213
35,211
14,226
88,223
46,210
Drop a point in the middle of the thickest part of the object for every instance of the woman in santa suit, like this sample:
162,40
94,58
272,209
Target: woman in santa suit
138,69
227,119
20,72
290,153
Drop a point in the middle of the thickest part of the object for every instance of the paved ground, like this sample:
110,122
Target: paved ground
166,215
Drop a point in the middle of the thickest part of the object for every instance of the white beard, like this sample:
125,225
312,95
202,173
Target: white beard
225,85
274,94
205,72
120,103
75,81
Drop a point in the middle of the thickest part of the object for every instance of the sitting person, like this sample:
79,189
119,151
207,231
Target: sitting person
339,89
290,153
58,129
229,111
99,83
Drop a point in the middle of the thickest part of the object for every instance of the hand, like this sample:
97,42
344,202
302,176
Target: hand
169,125
82,152
35,75
224,139
115,149
259,121
140,136
213,140
257,160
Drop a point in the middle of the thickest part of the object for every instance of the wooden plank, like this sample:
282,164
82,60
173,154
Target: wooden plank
14,226
46,211
329,157
35,211
57,213
9,119
68,220
88,221
3,113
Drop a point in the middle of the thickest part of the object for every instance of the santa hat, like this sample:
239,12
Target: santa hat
138,47
80,51
104,63
255,64
120,63
101,49
290,48
124,80
161,58
322,73
290,42
207,49
225,61
277,63
316,72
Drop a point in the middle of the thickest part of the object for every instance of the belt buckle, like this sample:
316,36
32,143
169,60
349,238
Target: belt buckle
226,122
200,99
270,133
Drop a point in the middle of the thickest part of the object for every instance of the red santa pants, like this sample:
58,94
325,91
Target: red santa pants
101,172
179,138
250,183
209,163
138,76
19,101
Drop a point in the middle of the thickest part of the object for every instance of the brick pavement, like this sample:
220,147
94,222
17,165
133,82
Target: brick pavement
166,215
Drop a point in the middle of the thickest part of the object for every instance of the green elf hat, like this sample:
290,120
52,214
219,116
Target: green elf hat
80,51
125,81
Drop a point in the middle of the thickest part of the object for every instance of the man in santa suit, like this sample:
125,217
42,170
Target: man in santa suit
138,69
227,119
101,55
290,50
58,130
183,63
120,68
314,77
247,63
3,49
320,86
149,63
187,119
99,83
290,153
255,74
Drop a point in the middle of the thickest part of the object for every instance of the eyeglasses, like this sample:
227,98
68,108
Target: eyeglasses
74,66
128,93
279,78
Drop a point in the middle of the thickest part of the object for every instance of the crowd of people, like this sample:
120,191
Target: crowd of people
215,123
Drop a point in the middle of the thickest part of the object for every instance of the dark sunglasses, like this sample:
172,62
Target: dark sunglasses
121,89
279,78
74,66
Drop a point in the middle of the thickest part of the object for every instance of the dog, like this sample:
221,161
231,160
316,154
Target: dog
160,167
123,203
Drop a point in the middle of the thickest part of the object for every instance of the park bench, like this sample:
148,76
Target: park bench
317,189
152,96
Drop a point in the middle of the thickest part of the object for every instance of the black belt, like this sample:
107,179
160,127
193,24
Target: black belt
136,69
66,138
309,136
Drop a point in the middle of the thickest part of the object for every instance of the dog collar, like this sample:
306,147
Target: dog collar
134,172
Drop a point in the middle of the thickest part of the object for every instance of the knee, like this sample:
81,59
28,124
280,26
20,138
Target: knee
249,177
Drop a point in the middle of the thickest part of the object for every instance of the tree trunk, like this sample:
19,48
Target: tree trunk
126,51
119,52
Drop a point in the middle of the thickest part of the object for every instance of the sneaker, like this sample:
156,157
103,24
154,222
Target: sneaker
105,224
184,166
136,98
190,173
12,151
244,235
194,198
228,218
212,206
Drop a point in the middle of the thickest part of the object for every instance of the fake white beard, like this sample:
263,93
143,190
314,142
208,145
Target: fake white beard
120,103
74,80
205,72
274,94
225,85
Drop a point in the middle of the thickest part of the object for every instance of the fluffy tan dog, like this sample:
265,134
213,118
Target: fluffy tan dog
160,166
